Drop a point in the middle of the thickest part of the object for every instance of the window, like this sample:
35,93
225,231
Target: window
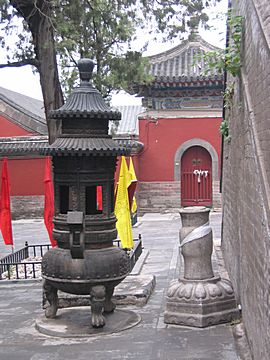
64,199
93,200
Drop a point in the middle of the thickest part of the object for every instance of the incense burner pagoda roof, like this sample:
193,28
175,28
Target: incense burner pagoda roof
87,146
86,102
39,145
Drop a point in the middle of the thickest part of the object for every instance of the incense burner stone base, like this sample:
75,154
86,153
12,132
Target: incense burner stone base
74,323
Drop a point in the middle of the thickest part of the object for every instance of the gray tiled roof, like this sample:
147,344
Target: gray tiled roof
86,146
87,102
22,145
25,104
129,121
34,108
180,61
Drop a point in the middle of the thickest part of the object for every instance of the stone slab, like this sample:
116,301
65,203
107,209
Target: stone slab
76,322
134,290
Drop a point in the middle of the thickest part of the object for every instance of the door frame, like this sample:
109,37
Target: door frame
196,190
196,142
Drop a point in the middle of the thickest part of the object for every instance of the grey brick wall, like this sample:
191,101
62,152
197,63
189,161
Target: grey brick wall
158,196
246,175
161,196
216,194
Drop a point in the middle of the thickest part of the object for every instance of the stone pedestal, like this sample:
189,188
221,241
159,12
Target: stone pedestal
200,298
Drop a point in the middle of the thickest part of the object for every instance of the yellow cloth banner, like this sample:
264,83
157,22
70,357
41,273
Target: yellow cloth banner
133,178
121,208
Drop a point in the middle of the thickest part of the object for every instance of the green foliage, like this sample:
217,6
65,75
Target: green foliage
224,128
15,38
228,60
233,51
172,17
228,95
102,30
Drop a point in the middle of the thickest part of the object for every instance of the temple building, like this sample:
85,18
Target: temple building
174,136
180,162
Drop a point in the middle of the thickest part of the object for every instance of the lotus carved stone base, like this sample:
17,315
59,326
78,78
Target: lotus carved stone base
200,303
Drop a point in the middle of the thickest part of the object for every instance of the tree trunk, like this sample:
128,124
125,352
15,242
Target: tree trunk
37,14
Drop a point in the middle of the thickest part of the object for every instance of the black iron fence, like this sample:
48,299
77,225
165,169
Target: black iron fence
15,266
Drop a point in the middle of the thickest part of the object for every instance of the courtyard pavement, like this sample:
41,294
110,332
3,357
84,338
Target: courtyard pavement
151,339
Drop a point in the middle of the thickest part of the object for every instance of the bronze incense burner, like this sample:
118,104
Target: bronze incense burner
84,161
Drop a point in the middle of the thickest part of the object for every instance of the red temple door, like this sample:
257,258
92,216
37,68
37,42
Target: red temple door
196,177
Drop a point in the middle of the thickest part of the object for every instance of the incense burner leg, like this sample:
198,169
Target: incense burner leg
109,305
97,299
50,300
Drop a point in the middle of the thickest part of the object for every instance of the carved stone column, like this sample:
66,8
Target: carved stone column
200,298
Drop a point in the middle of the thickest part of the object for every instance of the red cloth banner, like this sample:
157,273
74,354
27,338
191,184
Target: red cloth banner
5,214
49,200
99,198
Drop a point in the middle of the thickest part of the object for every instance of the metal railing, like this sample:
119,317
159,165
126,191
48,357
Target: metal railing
136,251
15,267
25,270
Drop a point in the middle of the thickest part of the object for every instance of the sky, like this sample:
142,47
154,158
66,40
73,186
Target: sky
23,80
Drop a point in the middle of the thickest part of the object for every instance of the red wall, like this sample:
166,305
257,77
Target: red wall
26,176
8,129
162,139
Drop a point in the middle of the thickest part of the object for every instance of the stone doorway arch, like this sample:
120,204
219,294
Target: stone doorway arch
214,156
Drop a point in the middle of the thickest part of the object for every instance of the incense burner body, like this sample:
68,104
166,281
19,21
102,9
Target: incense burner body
107,267
84,157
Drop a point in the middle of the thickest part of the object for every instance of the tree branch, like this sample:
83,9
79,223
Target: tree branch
20,63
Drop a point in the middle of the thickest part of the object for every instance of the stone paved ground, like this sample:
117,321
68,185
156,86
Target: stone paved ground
151,339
